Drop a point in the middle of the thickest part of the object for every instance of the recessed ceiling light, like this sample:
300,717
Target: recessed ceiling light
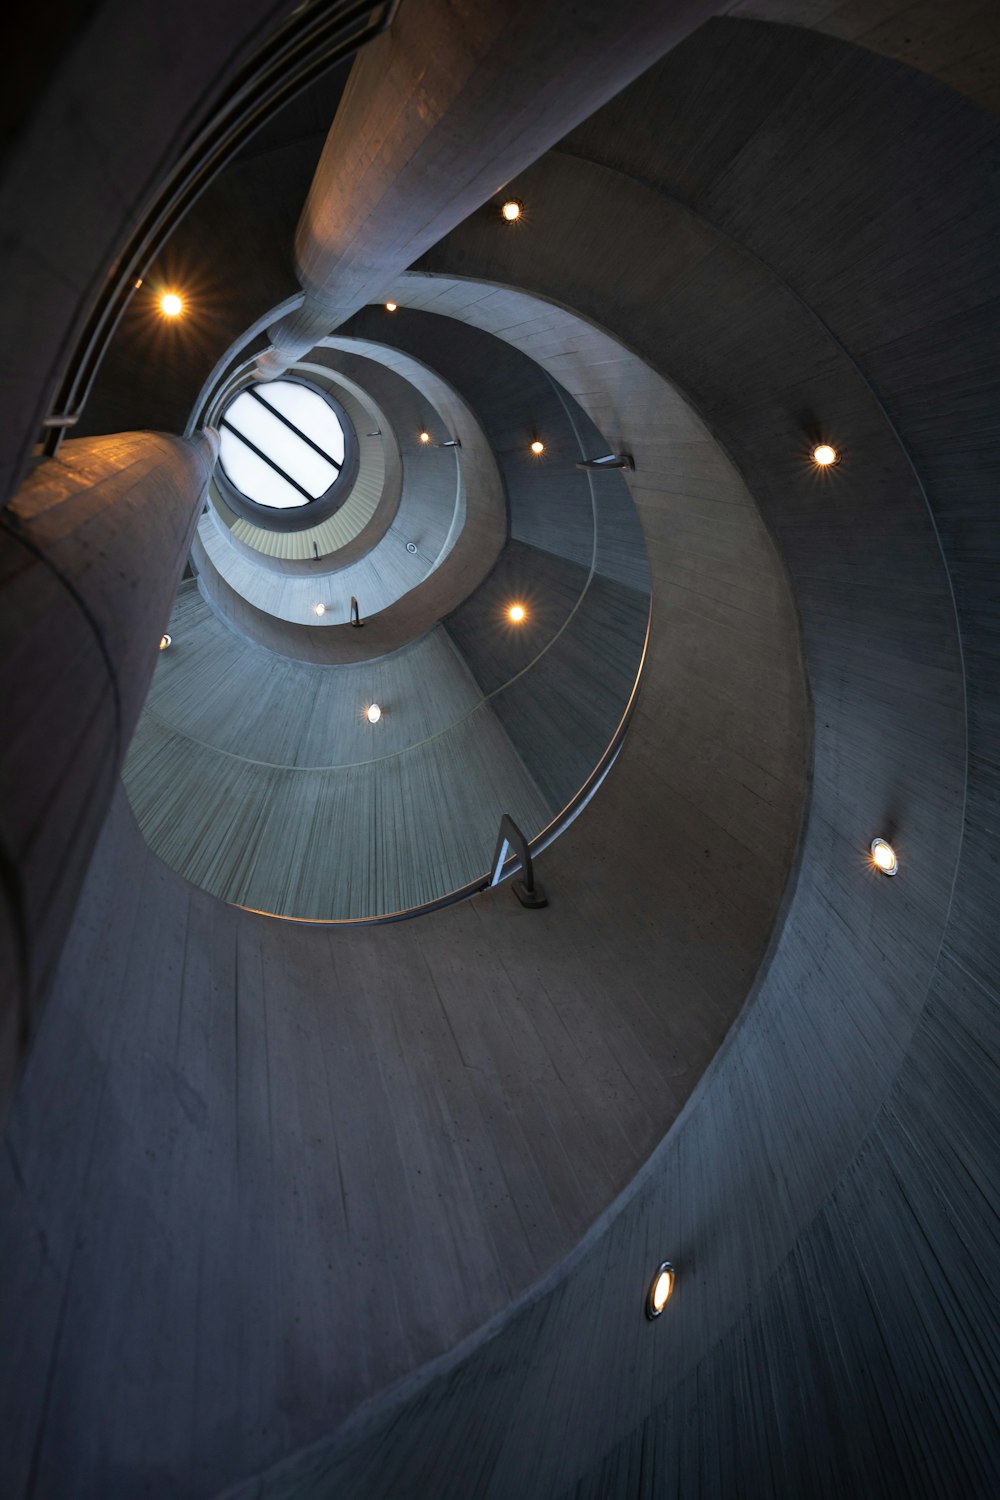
517,613
171,305
538,446
823,455
512,210
884,857
373,713
319,609
390,307
165,641
425,437
660,1289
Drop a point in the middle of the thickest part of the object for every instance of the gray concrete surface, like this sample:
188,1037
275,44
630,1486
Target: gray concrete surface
91,551
829,1193
436,118
364,1145
810,240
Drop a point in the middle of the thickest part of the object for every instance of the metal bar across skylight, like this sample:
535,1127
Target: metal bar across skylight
242,437
282,441
252,391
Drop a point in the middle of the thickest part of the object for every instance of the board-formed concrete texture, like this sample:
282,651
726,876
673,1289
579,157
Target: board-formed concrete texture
292,1212
239,753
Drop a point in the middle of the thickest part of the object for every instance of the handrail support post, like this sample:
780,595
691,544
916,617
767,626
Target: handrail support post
527,890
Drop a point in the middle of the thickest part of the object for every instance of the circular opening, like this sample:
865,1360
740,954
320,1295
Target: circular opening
512,210
282,444
824,455
538,446
660,1289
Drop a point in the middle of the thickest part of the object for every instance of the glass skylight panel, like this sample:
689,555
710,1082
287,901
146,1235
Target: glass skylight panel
255,478
309,413
282,444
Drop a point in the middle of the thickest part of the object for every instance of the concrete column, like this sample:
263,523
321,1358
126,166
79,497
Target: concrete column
91,552
439,113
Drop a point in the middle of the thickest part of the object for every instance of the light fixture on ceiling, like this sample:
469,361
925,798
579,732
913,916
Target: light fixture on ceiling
390,306
171,305
824,456
373,713
319,609
425,437
538,446
517,613
661,1289
165,641
884,857
512,210
138,282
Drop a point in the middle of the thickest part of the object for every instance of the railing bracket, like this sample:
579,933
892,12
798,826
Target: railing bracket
527,890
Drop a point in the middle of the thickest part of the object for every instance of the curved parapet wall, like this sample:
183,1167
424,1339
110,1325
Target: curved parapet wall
828,1195
459,1097
258,1173
262,782
443,491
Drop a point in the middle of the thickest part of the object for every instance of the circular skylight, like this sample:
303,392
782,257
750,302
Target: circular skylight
281,444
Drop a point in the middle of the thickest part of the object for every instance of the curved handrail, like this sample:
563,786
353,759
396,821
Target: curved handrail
536,845
305,47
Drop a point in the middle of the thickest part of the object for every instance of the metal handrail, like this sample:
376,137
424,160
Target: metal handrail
535,846
304,48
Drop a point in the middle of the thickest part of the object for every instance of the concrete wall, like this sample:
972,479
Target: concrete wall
829,1193
260,779
363,1146
814,243
80,627
481,718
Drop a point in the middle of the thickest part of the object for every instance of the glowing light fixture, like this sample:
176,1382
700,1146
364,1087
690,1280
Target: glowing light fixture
884,857
165,641
425,437
138,282
319,609
171,306
373,713
512,210
537,446
390,307
517,613
661,1289
823,455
